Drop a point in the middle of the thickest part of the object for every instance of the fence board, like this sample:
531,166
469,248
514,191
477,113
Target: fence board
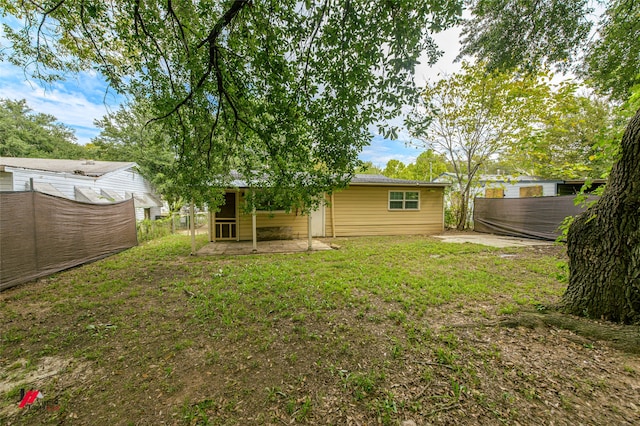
535,217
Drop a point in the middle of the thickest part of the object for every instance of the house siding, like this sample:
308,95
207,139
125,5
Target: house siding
512,190
296,222
363,210
121,182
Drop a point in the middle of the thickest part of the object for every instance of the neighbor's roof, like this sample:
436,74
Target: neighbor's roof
78,167
450,177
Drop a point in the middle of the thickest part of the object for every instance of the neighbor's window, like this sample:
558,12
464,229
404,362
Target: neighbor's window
404,200
531,191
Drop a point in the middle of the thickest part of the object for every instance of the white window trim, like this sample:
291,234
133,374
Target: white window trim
404,200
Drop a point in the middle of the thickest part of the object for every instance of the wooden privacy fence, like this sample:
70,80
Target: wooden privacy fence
41,234
533,217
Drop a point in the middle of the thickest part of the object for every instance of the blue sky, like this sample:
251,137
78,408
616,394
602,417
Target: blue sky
83,98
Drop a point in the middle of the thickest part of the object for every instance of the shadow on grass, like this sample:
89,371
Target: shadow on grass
588,332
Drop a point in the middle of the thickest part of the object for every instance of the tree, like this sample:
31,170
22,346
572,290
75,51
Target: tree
471,116
282,91
24,133
127,135
574,138
427,166
612,59
603,243
393,169
368,168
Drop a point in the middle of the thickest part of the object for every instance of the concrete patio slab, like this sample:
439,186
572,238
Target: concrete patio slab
233,248
491,240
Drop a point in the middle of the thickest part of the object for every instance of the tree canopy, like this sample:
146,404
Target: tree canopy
25,133
126,136
427,166
278,90
576,137
535,34
603,244
473,115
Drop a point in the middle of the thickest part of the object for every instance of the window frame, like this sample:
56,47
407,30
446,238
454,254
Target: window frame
404,201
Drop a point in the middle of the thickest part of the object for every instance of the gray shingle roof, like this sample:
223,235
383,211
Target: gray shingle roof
79,167
363,179
358,179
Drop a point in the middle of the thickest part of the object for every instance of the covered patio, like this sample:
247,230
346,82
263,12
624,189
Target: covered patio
234,248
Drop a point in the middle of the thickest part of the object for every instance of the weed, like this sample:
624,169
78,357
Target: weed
562,273
182,345
274,394
540,307
212,357
198,413
398,317
396,349
450,339
386,408
456,389
507,309
292,358
445,356
427,375
530,394
304,410
361,383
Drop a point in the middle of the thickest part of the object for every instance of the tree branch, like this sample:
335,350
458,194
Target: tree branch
213,62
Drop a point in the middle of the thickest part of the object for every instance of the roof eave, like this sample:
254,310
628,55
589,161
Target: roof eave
418,184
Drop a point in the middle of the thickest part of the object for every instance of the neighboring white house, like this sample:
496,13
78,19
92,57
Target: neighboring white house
500,186
82,180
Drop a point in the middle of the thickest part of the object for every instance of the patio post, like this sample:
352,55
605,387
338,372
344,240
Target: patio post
253,227
333,217
309,236
192,226
210,226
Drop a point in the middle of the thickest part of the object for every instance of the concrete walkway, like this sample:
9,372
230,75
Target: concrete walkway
233,248
490,240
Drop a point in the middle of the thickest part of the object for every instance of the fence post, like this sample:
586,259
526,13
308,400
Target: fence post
192,225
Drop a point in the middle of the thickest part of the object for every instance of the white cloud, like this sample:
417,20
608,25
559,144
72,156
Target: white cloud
449,42
75,103
381,150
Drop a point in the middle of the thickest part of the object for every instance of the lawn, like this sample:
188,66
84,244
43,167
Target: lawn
385,330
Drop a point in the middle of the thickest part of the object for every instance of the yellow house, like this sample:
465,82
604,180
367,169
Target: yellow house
370,205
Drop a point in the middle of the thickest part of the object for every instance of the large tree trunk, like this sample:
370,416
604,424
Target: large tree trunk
604,244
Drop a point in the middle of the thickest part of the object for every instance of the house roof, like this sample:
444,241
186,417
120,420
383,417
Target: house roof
75,167
380,180
358,179
449,177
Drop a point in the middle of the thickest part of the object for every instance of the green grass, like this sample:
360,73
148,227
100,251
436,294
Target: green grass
201,338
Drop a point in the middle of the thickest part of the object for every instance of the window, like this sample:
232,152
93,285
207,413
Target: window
404,200
531,191
494,193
